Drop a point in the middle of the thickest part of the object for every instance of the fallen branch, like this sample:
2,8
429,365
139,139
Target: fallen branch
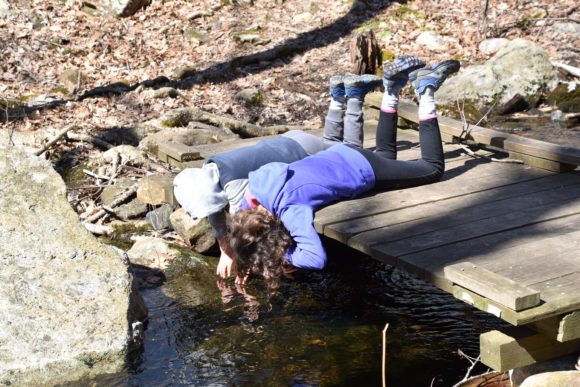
90,139
575,71
96,175
54,140
122,197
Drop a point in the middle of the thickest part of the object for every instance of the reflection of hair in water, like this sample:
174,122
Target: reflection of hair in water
259,241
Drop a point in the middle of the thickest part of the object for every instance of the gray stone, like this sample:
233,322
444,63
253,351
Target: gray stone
491,46
130,210
520,68
110,193
435,42
165,92
183,72
563,363
197,233
159,217
4,9
68,302
128,155
157,253
251,96
553,379
121,8
195,133
565,28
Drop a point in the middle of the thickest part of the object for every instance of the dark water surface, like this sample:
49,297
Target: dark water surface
325,329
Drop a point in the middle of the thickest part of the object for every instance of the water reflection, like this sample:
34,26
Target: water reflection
324,329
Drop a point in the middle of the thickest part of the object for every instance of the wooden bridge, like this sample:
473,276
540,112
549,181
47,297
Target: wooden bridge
502,237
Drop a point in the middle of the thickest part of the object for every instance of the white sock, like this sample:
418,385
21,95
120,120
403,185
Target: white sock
427,108
336,105
390,102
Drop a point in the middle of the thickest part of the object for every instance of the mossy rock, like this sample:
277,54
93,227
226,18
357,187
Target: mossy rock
193,34
72,76
405,12
472,114
250,96
183,72
254,37
6,103
568,102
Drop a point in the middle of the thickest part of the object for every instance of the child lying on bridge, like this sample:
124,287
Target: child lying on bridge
220,184
273,234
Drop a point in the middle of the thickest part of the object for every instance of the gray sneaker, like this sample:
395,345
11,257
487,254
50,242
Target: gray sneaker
433,76
396,73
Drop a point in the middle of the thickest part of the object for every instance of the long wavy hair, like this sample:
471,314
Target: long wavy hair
259,241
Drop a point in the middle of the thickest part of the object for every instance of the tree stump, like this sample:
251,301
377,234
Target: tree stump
365,54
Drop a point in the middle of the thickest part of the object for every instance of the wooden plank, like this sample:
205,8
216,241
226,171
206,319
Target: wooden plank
493,286
560,328
495,224
529,248
467,179
517,347
566,304
423,218
178,151
538,162
509,142
542,268
557,288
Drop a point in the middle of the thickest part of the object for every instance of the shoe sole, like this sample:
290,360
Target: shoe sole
407,65
439,72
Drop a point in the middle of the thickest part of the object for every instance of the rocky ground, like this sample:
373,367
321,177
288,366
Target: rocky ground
44,39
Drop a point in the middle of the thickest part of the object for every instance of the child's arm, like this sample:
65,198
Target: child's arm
308,252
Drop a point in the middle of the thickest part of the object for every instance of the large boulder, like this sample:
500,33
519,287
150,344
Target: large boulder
553,379
69,306
522,67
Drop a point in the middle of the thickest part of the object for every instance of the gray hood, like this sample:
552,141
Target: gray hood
199,192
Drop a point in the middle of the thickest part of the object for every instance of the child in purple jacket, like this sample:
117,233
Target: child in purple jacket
273,234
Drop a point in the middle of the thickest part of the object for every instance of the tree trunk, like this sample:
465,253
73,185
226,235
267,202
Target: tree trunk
365,54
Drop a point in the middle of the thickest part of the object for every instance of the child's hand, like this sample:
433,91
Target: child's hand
241,280
225,266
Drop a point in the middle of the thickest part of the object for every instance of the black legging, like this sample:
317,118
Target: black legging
393,173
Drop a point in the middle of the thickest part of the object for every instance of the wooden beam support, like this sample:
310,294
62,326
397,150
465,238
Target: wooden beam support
538,162
493,286
561,328
178,154
516,347
509,142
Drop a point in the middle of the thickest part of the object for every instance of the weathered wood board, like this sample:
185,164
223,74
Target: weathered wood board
492,285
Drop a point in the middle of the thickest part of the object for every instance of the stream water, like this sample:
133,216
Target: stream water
324,329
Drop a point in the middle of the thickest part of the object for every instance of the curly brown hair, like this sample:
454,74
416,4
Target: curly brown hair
259,241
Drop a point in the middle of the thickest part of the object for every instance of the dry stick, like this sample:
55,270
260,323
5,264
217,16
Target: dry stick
90,139
466,130
96,175
384,368
124,196
53,141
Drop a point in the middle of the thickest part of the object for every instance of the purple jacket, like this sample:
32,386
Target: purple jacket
294,191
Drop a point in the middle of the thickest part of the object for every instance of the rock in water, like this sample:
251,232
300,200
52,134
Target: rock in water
522,67
68,303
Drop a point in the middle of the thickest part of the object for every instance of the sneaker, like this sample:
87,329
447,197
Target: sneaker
433,76
337,87
360,85
396,73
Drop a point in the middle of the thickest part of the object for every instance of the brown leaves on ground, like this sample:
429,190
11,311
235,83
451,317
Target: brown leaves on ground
44,38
